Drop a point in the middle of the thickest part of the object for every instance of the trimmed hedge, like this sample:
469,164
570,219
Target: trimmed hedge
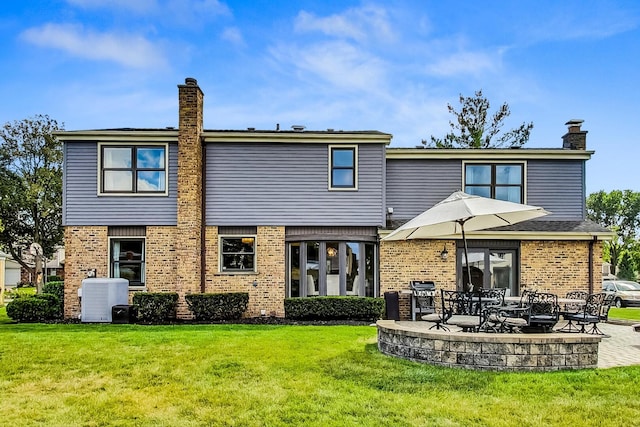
37,308
155,307
224,306
334,308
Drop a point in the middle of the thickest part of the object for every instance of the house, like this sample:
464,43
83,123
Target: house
53,266
298,213
9,271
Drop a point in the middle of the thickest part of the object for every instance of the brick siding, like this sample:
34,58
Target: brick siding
86,248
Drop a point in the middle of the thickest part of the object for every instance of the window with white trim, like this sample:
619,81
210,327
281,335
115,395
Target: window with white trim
237,254
343,167
502,181
133,169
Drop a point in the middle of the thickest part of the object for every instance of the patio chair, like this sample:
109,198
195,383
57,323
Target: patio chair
452,303
539,312
422,297
464,309
570,309
590,314
606,305
492,309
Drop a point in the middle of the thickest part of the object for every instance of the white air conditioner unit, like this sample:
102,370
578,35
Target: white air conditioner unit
99,295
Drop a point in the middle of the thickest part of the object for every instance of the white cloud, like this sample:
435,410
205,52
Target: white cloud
234,36
129,50
359,24
338,63
472,63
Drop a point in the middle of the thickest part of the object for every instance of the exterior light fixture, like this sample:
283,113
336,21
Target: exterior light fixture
331,252
444,254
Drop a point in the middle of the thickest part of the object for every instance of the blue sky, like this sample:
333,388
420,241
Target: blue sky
371,65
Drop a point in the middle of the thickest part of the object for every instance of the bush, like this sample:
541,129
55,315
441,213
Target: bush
54,279
155,307
57,289
26,285
37,308
218,306
334,308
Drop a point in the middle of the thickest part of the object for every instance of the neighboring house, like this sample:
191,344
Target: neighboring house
9,271
54,266
300,213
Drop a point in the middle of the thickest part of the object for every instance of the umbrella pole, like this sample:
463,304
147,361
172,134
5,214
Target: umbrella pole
466,258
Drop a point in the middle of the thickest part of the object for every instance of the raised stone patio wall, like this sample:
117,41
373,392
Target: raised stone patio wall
487,351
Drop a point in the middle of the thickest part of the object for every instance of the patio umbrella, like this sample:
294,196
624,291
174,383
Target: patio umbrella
462,212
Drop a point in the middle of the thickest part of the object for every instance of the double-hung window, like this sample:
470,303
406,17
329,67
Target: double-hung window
502,181
133,169
343,167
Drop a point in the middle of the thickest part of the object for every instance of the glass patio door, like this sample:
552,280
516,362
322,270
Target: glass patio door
490,269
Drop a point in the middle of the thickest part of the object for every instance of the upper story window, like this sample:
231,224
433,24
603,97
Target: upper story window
502,181
133,169
343,168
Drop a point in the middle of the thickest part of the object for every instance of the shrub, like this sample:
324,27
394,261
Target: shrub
54,279
37,308
334,308
218,306
155,307
25,284
57,289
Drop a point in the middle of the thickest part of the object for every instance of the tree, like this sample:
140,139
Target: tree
627,268
31,189
620,212
473,128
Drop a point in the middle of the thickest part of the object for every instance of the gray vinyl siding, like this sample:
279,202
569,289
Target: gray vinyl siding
287,184
83,206
415,185
558,186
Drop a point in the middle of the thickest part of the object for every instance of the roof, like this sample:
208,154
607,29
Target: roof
394,153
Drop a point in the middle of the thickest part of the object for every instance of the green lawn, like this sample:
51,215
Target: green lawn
625,313
241,375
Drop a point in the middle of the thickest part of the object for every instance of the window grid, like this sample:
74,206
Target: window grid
137,169
494,188
237,254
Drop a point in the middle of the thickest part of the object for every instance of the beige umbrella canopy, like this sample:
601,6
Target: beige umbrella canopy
462,212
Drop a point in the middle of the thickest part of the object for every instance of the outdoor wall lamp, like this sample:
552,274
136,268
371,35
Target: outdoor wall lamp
444,254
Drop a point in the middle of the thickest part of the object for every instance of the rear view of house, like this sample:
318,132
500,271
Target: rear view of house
299,213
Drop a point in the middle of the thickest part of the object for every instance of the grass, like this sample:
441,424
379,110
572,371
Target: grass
266,375
624,313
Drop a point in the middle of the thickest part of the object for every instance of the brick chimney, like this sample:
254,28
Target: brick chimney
189,238
575,139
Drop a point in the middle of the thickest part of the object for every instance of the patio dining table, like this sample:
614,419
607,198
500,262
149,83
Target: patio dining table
578,301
